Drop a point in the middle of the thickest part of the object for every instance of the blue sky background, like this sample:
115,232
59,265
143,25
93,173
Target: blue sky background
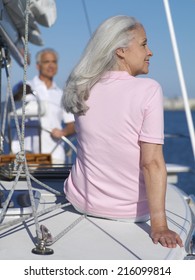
70,34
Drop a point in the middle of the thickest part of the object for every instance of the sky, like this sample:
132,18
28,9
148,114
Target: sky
70,34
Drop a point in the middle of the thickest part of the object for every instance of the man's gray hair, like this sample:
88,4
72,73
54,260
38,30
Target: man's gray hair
46,50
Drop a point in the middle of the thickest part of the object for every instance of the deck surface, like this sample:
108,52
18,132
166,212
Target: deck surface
92,238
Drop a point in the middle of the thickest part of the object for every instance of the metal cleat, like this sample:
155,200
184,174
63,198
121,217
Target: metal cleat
47,239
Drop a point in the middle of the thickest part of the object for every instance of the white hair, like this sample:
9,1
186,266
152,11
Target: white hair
98,57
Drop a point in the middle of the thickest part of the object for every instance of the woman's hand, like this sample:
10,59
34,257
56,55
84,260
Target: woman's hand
166,237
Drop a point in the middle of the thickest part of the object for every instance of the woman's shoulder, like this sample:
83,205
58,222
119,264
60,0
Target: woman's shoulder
149,81
150,86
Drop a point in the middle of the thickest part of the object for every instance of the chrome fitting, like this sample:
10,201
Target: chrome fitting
47,239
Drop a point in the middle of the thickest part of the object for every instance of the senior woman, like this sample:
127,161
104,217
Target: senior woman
119,171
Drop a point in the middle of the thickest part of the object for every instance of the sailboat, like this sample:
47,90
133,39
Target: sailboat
37,223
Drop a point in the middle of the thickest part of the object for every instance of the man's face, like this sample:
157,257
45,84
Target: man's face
48,65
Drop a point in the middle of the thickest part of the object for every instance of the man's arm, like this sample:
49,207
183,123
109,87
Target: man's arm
67,131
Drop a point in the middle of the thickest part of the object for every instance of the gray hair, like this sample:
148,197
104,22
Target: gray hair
98,57
46,50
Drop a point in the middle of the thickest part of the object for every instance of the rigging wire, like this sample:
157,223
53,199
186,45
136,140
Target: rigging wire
87,17
21,162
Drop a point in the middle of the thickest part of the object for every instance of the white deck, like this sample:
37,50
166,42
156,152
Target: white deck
94,238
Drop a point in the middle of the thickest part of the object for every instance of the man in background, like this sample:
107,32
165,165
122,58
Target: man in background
55,121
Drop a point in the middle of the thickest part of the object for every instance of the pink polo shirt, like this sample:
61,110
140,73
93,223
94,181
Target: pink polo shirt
106,179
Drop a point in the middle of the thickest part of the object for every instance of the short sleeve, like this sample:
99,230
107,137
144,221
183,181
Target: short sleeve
68,117
152,130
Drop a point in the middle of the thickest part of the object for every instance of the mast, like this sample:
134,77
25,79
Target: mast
180,74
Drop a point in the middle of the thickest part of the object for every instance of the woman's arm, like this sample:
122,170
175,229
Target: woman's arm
155,175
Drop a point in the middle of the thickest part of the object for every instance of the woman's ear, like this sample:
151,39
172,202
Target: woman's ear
120,52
